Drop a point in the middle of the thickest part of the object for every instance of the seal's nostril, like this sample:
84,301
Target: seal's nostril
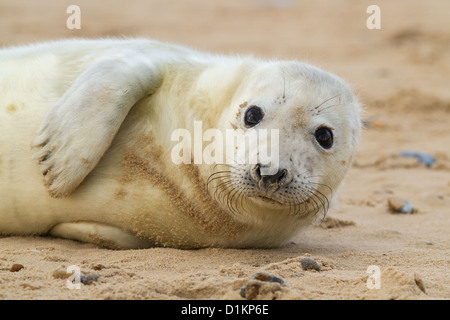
276,179
282,176
269,181
257,172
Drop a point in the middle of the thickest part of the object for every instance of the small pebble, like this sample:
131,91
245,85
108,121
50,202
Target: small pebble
267,277
310,264
98,267
88,279
16,267
242,291
29,286
424,158
407,208
399,205
419,282
251,290
61,273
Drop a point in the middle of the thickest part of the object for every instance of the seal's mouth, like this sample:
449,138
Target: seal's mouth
263,200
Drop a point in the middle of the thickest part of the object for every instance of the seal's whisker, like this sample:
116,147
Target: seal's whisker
222,164
299,204
236,191
317,107
327,202
223,185
319,199
296,201
217,172
228,181
325,199
317,176
217,187
214,174
290,206
242,201
299,175
315,205
211,179
322,199
239,199
325,108
323,185
225,189
230,200
240,196
296,206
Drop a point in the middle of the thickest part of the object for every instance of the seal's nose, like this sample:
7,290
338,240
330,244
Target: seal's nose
269,181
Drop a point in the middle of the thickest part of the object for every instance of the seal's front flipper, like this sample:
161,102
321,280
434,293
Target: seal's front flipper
81,126
99,234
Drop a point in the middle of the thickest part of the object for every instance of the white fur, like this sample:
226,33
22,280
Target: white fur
71,111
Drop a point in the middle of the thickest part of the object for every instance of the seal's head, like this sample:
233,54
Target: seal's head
312,123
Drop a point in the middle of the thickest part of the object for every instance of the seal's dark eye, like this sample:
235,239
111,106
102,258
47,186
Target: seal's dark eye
324,137
253,116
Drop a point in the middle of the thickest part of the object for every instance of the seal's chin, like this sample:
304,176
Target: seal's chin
267,202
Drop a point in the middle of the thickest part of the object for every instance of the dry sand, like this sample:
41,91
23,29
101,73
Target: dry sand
401,74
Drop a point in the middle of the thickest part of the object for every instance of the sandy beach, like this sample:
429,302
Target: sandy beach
401,76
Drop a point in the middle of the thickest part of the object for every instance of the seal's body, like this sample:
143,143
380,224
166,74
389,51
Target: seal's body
86,144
